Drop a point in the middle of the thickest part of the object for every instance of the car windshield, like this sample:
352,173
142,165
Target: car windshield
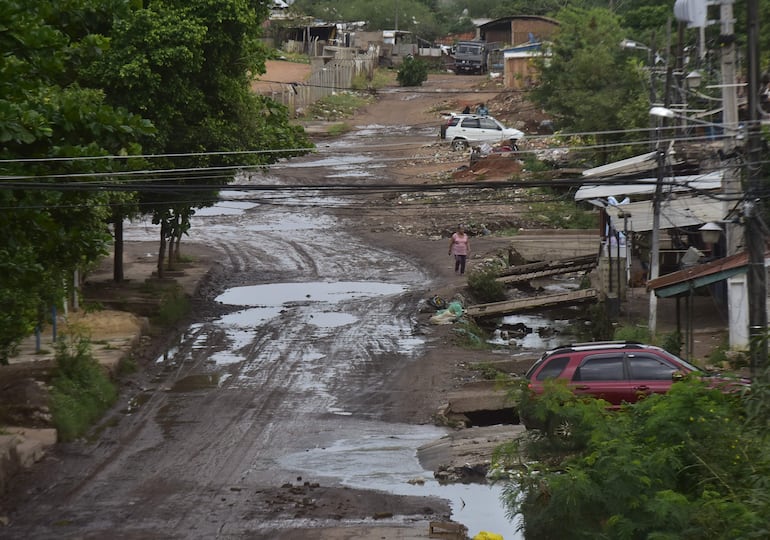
684,363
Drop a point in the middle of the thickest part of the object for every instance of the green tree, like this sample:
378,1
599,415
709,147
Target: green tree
588,83
691,464
412,72
53,222
187,66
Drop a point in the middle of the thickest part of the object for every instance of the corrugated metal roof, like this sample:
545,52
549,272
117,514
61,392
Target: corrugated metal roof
674,212
646,186
700,275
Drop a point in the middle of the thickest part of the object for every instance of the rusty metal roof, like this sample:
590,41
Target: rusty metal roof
701,275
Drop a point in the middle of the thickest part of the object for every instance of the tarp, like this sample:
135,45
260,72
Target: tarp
646,186
674,212
635,164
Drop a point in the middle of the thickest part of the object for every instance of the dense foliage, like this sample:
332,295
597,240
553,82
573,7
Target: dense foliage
691,464
85,86
52,129
412,72
590,84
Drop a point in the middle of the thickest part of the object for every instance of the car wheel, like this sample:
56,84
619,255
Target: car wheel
459,144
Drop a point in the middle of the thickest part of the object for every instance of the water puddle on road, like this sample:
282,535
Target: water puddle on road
384,458
275,294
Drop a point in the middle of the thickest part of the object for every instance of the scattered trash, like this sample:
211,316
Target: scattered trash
437,302
449,315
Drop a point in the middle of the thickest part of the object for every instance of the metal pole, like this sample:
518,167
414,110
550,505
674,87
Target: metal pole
655,241
755,240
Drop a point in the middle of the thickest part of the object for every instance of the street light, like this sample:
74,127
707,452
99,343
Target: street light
710,233
693,79
665,112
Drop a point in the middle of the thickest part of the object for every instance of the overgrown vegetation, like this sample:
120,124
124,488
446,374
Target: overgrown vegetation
336,106
380,79
412,72
469,335
174,306
560,211
484,286
81,390
690,464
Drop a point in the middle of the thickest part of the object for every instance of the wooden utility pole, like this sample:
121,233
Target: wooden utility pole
755,237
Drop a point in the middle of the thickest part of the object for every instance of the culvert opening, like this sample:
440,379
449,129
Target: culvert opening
484,418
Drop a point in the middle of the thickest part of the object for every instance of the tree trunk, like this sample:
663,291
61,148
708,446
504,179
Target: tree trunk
178,252
117,262
171,247
162,248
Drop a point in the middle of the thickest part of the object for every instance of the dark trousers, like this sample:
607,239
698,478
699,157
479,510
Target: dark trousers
460,263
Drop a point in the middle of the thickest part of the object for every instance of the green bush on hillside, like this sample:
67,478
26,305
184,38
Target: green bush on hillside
413,72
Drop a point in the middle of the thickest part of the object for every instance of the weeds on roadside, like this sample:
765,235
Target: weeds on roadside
338,129
484,286
488,371
379,79
558,212
81,389
174,306
469,335
335,106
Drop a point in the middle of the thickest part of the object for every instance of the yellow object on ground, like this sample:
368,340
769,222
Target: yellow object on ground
484,535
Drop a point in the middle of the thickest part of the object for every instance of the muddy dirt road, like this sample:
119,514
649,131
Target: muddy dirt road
291,408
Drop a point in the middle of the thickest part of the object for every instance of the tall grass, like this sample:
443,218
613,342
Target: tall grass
81,389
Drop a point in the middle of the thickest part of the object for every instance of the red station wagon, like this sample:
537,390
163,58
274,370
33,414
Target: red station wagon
617,372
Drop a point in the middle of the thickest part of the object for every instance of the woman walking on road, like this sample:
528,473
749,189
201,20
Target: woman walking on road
460,247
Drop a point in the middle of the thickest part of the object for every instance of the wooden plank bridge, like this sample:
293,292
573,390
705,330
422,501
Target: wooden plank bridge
528,272
542,301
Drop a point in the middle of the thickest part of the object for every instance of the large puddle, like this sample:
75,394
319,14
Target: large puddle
275,294
384,457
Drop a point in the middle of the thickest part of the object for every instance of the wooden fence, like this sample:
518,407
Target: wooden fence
333,76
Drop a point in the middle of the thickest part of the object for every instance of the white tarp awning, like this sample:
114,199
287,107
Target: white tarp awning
635,164
646,186
674,212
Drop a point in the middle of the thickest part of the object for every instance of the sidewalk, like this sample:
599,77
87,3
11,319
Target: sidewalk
114,334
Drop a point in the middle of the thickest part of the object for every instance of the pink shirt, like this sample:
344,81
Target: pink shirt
459,244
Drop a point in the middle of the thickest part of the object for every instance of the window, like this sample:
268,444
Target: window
553,368
488,123
471,123
649,367
602,368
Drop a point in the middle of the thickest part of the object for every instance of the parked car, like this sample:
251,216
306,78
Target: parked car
462,130
615,371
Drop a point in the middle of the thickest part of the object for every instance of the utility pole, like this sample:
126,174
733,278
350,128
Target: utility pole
737,288
755,238
652,324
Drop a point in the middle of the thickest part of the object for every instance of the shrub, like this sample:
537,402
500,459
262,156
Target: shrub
81,390
484,285
687,464
413,72
174,306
